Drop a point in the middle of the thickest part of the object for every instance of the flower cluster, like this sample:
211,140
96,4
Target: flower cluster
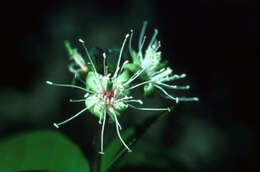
109,93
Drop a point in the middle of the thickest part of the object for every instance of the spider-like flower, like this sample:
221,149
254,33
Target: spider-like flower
107,94
155,73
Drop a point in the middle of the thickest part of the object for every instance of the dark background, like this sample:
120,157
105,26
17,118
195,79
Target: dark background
214,42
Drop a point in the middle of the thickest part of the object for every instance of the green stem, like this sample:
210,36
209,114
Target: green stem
97,156
140,131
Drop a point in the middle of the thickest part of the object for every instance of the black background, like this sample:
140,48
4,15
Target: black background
213,41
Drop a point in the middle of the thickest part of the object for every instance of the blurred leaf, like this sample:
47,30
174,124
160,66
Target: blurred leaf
41,150
116,150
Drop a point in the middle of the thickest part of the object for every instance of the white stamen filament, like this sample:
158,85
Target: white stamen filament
102,134
130,41
175,77
153,38
187,99
67,85
134,77
67,120
142,44
150,109
120,55
118,133
142,83
100,119
76,101
166,93
137,101
104,64
175,86
86,50
141,36
122,68
177,99
123,99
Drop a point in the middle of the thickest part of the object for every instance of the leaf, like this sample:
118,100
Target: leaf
41,150
116,150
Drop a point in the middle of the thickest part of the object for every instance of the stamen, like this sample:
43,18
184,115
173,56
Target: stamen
141,38
142,83
153,38
142,44
100,119
104,64
130,41
187,99
102,134
67,120
76,101
86,50
160,71
134,76
117,130
158,46
150,109
175,86
67,85
122,68
120,55
177,99
137,101
124,98
175,77
166,93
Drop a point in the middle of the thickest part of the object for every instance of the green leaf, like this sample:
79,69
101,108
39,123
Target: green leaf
116,150
41,150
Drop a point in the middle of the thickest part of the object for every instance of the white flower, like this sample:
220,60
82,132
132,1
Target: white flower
155,74
107,94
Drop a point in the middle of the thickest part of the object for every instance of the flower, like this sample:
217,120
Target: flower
107,94
155,72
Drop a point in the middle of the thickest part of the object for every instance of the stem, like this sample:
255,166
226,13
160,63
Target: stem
97,156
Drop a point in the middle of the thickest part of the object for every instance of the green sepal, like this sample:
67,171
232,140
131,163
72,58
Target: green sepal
118,109
132,67
135,57
69,48
109,85
123,77
148,89
90,81
97,109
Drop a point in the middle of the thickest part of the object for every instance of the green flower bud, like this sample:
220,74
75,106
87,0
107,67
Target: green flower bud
132,67
148,89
